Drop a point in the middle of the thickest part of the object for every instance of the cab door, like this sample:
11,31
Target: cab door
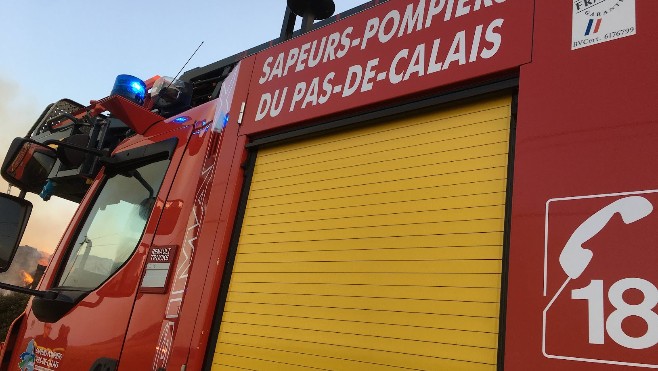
98,266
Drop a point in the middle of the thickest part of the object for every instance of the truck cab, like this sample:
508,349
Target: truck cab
137,162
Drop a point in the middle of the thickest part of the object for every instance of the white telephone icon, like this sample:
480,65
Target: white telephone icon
574,257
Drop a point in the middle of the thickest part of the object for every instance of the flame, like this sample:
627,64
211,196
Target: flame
45,259
27,278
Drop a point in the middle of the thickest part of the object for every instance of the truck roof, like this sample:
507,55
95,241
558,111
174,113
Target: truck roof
207,80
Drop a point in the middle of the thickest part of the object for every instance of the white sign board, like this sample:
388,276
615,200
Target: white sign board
598,21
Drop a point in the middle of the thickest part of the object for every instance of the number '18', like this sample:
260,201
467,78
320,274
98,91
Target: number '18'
593,293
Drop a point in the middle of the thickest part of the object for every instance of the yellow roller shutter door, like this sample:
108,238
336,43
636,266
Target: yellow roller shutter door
377,248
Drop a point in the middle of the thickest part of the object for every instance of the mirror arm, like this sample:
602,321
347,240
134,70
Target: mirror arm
73,119
143,182
102,154
24,290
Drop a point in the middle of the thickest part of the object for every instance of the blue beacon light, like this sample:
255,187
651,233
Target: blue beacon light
181,119
130,87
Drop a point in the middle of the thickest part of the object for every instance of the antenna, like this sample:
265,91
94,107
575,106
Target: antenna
179,71
188,61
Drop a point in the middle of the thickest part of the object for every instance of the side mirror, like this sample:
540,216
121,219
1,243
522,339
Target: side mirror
28,164
50,306
13,220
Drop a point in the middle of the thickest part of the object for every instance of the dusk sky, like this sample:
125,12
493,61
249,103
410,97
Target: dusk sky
75,48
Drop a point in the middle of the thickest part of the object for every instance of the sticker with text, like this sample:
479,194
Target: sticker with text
38,358
598,21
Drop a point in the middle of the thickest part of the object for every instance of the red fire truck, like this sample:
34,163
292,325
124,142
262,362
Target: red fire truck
411,185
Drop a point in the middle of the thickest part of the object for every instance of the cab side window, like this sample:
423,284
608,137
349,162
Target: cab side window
113,227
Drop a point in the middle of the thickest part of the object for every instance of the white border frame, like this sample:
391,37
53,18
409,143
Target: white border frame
543,337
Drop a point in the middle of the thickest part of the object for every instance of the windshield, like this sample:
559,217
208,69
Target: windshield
113,227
